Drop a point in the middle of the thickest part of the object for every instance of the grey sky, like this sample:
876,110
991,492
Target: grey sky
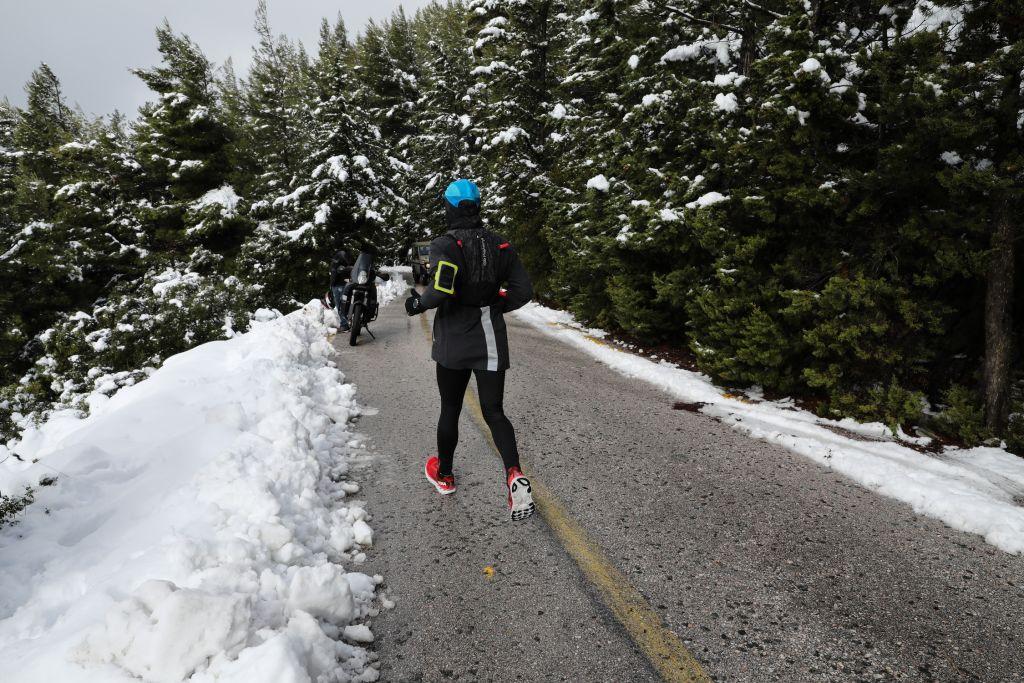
90,44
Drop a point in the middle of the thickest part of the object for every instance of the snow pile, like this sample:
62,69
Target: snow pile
200,525
396,287
972,490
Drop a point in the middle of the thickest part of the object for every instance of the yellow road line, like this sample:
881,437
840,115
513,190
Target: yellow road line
659,644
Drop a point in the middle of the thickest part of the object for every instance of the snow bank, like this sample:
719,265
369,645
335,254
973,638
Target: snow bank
389,290
972,490
200,527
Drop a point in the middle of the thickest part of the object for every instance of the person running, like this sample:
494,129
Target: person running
469,265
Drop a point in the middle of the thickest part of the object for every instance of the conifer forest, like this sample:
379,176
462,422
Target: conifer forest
821,199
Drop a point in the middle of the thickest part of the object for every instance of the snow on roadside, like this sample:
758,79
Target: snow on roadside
389,290
200,527
972,490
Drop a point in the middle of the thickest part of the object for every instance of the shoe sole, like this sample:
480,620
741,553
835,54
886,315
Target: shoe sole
443,492
522,500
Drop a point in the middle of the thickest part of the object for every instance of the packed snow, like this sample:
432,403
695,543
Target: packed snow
202,526
396,287
972,490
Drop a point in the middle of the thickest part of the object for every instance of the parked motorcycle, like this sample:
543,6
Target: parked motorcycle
362,301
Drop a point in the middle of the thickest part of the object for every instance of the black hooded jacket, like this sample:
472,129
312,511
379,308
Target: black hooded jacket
476,277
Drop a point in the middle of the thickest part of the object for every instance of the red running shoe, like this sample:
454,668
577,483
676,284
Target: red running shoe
520,498
444,485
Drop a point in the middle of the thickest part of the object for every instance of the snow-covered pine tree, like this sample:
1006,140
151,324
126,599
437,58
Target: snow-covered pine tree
627,138
12,337
387,73
8,162
274,121
770,210
879,315
388,77
441,146
341,198
984,94
38,266
518,57
96,202
182,145
46,123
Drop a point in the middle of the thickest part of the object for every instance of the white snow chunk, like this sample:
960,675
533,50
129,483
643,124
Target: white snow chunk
508,135
951,158
726,102
633,61
558,112
224,197
358,633
810,65
706,199
726,80
599,183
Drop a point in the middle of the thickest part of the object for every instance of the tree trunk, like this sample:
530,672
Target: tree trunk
999,321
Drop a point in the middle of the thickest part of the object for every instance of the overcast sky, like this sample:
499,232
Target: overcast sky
90,44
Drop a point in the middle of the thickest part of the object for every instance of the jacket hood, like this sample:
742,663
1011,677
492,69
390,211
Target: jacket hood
465,215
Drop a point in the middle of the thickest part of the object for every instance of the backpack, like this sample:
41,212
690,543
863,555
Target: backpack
483,265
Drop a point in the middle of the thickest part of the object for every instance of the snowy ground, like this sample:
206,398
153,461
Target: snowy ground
979,490
202,526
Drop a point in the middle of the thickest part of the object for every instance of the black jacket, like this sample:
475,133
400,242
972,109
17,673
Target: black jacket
469,328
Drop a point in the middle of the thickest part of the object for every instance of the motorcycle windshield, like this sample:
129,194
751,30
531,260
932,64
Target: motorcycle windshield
363,262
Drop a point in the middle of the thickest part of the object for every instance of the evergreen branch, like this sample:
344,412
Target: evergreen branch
754,5
705,22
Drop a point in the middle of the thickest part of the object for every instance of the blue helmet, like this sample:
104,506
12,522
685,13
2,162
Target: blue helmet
462,190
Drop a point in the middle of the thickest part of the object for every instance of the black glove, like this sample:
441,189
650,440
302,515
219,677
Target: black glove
412,304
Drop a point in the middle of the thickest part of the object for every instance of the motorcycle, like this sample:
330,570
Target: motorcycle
362,300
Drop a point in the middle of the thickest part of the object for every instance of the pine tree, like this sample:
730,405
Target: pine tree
38,254
984,92
274,117
96,202
388,81
342,197
46,123
183,149
517,68
625,141
441,146
8,162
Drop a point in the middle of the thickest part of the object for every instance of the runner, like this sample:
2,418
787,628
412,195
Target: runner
469,265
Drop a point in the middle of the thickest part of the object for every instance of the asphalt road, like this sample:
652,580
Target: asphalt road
767,567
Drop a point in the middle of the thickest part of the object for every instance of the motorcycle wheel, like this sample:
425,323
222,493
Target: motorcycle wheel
357,322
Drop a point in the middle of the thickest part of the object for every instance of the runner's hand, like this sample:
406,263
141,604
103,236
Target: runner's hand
412,304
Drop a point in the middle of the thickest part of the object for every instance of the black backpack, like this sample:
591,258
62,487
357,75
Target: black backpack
483,261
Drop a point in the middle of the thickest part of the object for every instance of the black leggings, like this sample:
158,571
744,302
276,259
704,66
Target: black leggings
490,387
